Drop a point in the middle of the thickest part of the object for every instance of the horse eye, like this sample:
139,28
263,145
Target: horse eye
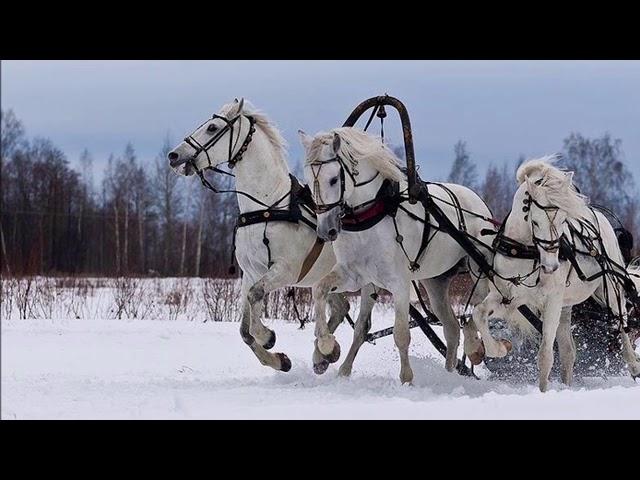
333,181
212,128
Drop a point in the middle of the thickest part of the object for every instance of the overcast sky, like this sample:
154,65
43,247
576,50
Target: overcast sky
501,108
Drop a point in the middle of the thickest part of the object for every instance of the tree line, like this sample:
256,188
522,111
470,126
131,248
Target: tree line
599,172
142,219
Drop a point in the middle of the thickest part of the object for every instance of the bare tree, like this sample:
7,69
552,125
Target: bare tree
463,170
167,201
201,211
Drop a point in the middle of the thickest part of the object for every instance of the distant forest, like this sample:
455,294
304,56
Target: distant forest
142,219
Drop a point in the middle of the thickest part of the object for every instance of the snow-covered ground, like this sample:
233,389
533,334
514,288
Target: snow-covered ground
57,369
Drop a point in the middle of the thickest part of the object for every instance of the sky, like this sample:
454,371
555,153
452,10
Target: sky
502,109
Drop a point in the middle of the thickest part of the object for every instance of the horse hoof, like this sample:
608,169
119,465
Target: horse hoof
477,357
285,363
271,342
334,355
507,344
320,368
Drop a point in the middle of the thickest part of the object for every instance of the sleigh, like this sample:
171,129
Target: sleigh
593,327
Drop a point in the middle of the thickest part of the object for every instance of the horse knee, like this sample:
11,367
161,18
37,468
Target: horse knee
256,294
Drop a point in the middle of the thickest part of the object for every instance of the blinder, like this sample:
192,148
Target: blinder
229,127
320,205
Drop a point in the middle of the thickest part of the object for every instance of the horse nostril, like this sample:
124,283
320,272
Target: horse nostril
333,233
173,156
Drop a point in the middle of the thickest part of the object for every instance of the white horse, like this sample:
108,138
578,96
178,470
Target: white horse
271,254
348,169
546,206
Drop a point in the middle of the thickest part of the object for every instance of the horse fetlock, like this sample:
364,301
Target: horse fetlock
271,341
334,356
345,369
451,361
264,336
326,344
543,384
406,375
246,336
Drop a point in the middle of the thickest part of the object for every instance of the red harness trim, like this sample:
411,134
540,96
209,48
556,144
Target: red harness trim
374,210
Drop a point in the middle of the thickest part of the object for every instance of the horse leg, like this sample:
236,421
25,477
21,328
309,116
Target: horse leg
326,346
566,347
473,347
550,323
362,327
438,291
630,356
401,331
277,361
339,306
628,351
491,305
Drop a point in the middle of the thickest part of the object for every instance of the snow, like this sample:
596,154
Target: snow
107,369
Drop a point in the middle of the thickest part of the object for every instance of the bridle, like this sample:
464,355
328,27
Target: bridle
320,205
553,244
232,159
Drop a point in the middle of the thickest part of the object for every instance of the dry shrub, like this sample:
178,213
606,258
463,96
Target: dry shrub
282,304
222,299
123,293
23,297
72,293
7,296
179,298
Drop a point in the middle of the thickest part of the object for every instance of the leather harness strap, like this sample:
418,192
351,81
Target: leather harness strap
300,196
311,258
385,203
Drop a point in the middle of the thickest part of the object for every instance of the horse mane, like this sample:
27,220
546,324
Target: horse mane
263,123
555,184
356,146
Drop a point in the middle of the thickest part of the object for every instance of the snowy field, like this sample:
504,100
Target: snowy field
85,369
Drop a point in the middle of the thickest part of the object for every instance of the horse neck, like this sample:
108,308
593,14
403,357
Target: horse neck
262,173
516,227
366,192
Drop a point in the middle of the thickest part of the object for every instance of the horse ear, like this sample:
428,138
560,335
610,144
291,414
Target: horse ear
305,139
240,106
569,178
531,186
336,143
